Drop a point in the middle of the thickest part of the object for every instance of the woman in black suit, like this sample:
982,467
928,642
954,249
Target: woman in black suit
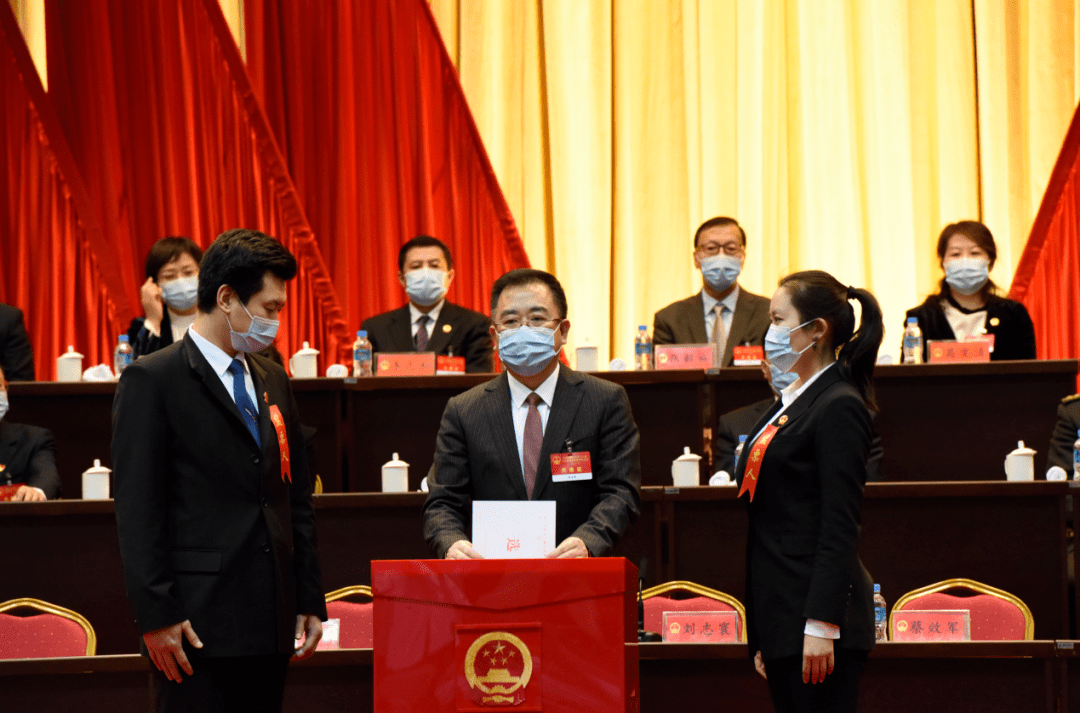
168,295
968,304
809,600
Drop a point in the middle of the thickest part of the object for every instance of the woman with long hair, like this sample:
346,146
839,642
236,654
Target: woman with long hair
809,600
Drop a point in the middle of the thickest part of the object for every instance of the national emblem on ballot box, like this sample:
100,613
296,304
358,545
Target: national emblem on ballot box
500,670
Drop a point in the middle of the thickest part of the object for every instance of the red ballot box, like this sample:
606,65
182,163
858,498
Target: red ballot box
505,635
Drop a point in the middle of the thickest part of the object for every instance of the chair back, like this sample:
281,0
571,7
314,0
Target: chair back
55,632
688,596
356,628
996,615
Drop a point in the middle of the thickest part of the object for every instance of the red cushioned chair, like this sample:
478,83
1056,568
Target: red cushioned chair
687,596
54,633
356,629
996,615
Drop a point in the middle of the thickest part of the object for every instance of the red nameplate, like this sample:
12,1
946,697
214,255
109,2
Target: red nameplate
951,352
684,356
932,625
566,467
748,356
7,492
405,364
449,364
711,627
989,338
757,453
282,440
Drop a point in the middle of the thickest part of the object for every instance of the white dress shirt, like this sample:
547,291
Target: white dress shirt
519,406
433,317
727,314
220,361
179,323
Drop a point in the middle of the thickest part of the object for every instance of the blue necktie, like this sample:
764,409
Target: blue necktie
243,401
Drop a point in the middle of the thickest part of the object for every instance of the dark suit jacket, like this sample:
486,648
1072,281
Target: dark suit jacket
143,341
741,422
683,322
27,455
802,552
1007,320
476,458
1061,441
209,530
16,354
458,329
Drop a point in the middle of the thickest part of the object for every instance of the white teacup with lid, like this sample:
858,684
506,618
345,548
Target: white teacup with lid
685,470
1020,464
95,482
69,365
304,364
395,476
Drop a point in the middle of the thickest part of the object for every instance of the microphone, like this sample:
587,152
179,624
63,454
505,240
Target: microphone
642,635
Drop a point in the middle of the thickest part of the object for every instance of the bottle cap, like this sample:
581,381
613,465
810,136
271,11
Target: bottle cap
877,589
742,438
912,320
641,327
123,339
362,334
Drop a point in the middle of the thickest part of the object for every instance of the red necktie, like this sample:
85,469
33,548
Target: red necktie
534,440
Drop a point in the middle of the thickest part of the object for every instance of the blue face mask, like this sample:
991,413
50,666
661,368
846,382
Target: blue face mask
778,347
721,271
181,293
425,286
782,379
259,335
527,350
967,275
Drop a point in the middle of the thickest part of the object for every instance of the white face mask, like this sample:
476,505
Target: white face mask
425,286
778,346
259,335
4,405
182,293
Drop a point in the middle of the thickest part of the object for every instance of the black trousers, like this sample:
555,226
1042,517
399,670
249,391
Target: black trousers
223,685
838,693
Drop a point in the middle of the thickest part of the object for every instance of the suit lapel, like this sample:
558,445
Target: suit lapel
8,443
560,418
501,426
212,381
695,317
743,317
267,432
440,336
740,467
401,331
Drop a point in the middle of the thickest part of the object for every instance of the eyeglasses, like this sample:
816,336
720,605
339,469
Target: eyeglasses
534,322
713,249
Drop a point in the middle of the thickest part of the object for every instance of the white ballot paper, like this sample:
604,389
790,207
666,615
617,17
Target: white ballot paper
513,529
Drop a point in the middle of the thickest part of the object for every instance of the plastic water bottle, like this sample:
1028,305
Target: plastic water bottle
1076,457
361,355
122,355
643,354
881,618
913,342
739,448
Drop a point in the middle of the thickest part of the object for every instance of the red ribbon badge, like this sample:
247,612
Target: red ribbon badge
283,442
753,463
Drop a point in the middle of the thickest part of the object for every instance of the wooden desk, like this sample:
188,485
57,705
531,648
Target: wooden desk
987,677
1009,535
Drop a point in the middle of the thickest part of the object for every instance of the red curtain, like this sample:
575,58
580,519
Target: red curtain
50,239
163,124
1047,279
367,107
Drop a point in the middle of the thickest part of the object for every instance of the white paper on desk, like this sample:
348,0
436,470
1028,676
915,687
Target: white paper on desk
513,529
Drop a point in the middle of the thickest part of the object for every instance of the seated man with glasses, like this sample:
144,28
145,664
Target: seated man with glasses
719,251
498,440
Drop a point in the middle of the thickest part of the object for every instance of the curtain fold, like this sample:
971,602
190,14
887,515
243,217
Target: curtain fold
162,121
54,260
380,144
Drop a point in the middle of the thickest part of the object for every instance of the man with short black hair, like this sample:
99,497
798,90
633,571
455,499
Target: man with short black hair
498,441
743,318
27,457
429,323
213,496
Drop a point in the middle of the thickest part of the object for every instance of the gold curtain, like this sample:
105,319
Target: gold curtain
843,135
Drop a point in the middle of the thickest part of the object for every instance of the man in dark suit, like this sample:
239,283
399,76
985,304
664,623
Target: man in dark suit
428,323
1064,435
213,497
26,457
719,252
16,354
497,440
